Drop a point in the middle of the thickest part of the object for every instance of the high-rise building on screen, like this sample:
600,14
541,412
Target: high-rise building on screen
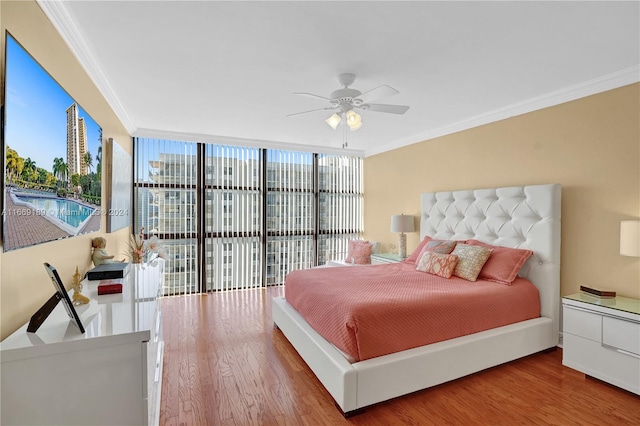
76,142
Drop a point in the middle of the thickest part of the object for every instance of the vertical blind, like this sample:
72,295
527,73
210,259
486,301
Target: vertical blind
340,182
233,217
290,213
239,217
165,184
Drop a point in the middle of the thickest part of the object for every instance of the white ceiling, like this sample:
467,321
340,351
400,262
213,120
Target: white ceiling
227,71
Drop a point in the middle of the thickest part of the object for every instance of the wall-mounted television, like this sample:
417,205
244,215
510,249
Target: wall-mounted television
52,155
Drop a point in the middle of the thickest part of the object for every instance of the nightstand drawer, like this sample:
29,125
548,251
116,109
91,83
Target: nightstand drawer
582,323
602,363
621,334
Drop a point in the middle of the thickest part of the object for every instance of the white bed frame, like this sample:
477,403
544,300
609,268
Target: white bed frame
523,217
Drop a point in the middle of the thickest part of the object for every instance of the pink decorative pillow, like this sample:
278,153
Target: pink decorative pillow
504,263
359,252
437,246
439,264
413,258
471,259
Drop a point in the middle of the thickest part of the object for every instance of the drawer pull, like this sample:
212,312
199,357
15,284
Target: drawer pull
622,351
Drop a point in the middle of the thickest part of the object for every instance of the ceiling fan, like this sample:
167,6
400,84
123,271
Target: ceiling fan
346,100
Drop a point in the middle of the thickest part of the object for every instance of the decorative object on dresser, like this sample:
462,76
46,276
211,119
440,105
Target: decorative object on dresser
630,238
110,286
111,375
76,284
108,271
601,338
401,224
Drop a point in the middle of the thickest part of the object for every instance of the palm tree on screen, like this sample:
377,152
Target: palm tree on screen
88,160
99,159
29,169
13,164
57,168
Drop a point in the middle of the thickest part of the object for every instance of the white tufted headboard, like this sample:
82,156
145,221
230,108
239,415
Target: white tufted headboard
518,216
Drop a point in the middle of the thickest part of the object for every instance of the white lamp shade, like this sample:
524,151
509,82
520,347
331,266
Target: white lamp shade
402,223
354,121
630,238
333,121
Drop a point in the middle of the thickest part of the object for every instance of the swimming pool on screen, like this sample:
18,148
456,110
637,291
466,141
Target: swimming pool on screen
68,215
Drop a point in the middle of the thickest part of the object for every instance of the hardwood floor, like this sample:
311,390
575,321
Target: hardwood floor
225,364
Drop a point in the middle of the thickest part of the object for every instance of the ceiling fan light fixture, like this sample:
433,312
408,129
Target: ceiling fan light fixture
333,121
355,127
354,121
353,117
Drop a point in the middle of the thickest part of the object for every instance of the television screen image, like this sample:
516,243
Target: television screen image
52,154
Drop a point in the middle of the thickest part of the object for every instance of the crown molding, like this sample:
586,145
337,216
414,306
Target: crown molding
256,143
581,90
62,20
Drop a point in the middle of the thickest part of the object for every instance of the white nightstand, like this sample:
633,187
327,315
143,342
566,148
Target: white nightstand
601,338
380,258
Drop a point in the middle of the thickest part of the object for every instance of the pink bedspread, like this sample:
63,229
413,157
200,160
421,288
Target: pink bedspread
369,311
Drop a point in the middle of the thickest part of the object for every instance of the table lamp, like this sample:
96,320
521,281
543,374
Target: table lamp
401,224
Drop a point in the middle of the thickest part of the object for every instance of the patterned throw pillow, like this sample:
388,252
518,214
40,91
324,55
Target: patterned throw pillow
471,259
437,246
359,252
439,264
503,264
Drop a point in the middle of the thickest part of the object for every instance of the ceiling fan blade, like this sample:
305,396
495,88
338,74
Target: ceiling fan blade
393,109
311,95
312,110
377,93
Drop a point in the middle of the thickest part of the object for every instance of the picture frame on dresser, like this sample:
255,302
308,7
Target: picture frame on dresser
61,294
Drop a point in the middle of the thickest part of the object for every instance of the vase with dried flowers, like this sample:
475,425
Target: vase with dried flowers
145,251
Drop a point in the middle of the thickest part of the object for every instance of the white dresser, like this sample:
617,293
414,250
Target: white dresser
111,375
601,338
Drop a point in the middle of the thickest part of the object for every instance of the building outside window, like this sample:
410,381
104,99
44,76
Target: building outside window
237,217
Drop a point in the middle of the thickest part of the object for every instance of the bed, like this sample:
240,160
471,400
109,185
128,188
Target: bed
525,217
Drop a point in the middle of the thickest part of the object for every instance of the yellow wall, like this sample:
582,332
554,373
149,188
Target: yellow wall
24,285
590,146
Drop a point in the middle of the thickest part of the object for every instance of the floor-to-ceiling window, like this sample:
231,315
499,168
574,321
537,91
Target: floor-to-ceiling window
339,205
290,214
166,182
240,217
232,197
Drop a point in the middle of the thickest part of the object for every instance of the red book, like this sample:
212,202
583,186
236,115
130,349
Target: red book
109,288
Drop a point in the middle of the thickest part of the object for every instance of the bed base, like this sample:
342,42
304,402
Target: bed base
361,384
